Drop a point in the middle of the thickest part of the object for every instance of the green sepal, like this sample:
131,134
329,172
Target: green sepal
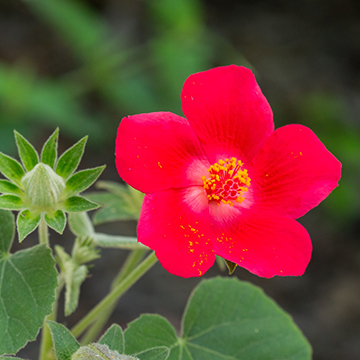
114,339
81,180
79,204
7,230
56,221
70,159
11,168
65,345
26,223
7,187
28,155
11,202
220,263
49,150
231,266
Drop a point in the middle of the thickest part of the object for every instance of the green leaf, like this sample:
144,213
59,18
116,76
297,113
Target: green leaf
26,223
114,339
114,188
79,204
27,291
11,202
155,353
224,319
7,230
81,180
150,331
84,250
121,202
74,277
56,221
28,155
49,150
10,358
70,159
11,168
80,224
114,241
7,187
65,344
113,210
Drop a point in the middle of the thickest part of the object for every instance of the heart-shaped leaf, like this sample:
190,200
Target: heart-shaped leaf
65,345
27,291
7,229
114,338
224,319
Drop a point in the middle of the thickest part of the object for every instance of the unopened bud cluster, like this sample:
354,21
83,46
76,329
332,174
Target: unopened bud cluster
99,352
43,188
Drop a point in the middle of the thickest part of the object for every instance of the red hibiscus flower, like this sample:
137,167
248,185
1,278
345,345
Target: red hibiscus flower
222,181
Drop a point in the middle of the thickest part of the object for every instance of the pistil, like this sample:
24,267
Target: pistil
227,182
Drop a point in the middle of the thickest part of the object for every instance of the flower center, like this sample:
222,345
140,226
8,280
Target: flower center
227,182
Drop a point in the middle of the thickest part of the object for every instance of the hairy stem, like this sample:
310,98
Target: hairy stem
46,348
114,295
43,232
131,262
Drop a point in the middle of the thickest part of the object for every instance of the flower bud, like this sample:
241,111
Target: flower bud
99,352
43,187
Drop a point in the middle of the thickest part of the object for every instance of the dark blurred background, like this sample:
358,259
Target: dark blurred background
83,65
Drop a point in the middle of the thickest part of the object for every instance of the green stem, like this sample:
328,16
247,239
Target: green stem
114,295
43,232
46,348
131,262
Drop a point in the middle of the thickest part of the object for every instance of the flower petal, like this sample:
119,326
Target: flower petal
294,172
175,223
227,111
266,244
158,151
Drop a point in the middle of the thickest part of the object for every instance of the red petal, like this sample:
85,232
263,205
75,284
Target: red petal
227,111
175,223
266,244
294,172
158,151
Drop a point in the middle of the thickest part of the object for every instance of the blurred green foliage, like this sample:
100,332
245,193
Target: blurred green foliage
330,118
113,75
126,78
